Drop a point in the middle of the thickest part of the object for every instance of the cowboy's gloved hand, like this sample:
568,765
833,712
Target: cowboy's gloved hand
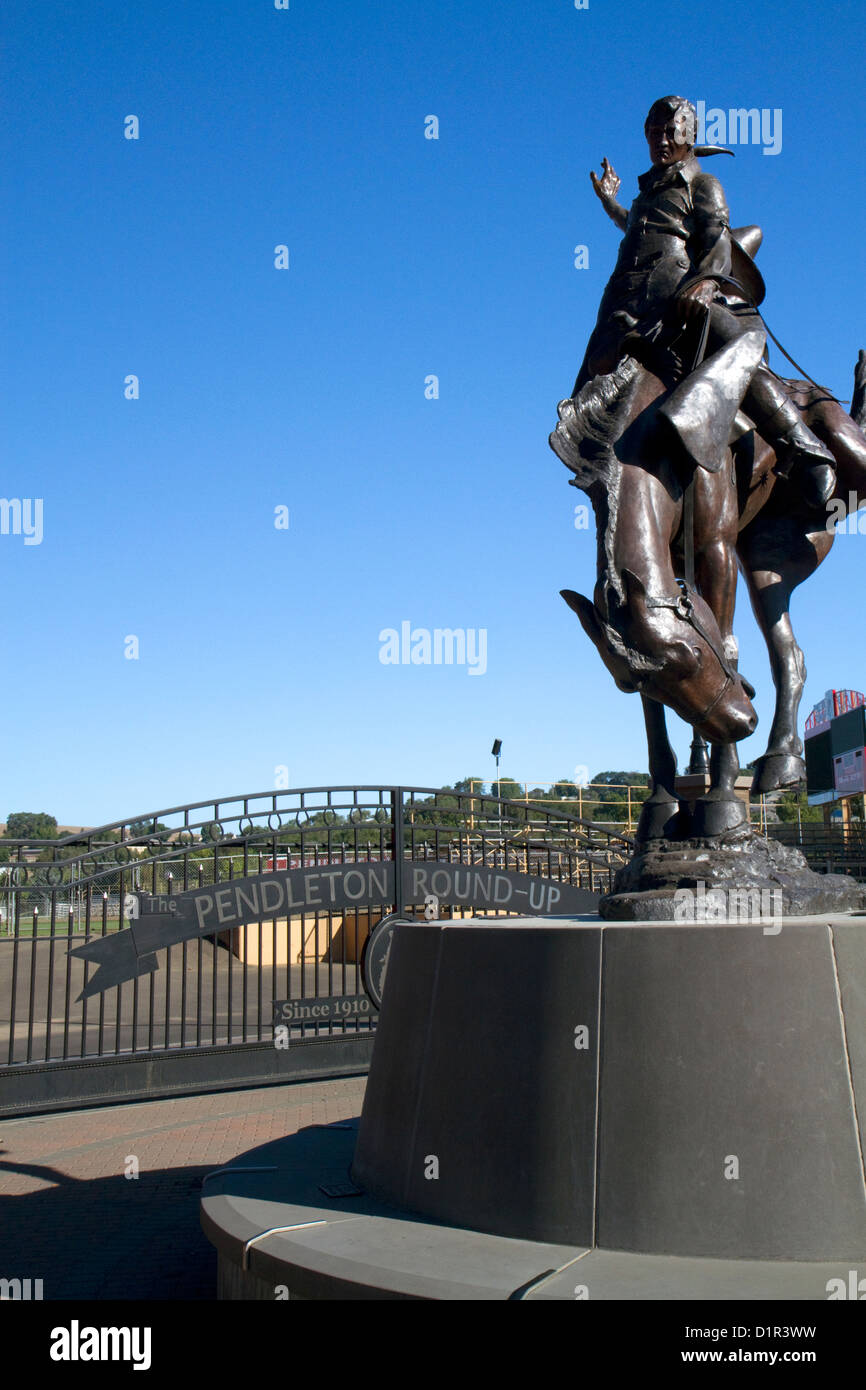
694,301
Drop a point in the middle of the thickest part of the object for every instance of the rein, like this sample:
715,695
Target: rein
689,493
801,370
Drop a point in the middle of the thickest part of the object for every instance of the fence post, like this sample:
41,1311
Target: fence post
397,846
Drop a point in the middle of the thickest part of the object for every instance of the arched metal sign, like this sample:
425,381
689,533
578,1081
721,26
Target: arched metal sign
158,922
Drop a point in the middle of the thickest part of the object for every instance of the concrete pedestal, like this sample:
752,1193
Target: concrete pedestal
570,1108
657,1088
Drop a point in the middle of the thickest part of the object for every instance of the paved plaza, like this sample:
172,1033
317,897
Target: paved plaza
69,1215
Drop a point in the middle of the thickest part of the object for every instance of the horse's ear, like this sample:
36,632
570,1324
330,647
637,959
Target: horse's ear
586,611
634,587
595,631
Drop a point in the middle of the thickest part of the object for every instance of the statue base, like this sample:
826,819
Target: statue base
567,1108
738,876
660,1089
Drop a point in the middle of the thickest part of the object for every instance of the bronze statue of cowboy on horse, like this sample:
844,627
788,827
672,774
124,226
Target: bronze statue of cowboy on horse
699,459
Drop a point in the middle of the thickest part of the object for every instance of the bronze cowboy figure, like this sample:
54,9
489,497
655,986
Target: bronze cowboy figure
699,461
680,264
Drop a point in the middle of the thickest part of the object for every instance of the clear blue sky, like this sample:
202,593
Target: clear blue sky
305,388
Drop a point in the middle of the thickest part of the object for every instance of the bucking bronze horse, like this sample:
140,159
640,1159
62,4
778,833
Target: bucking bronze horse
673,641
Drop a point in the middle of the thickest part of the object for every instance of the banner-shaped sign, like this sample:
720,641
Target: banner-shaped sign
496,890
158,922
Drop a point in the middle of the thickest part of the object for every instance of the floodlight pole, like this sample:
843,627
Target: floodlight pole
496,751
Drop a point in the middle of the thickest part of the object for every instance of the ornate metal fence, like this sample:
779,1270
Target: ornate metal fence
205,1018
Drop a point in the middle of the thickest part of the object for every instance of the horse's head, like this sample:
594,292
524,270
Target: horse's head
669,647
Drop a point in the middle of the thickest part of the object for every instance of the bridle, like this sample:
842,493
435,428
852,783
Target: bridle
681,604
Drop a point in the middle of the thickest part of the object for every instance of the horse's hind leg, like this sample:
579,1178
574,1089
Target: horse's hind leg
782,765
777,552
773,567
858,400
659,817
845,435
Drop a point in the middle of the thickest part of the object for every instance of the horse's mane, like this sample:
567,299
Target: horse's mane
590,425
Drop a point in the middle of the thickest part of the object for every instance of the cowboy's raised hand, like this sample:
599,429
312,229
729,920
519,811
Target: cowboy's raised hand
608,185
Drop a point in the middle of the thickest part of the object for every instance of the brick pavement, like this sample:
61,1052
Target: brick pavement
70,1217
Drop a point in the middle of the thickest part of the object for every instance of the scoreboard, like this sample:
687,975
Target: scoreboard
836,747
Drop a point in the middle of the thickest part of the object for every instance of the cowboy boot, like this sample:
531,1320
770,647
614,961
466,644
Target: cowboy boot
800,456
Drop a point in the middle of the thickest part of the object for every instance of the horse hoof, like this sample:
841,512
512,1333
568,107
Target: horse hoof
774,771
659,820
715,817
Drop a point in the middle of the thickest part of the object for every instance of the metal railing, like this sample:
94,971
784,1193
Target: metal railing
616,804
834,851
217,992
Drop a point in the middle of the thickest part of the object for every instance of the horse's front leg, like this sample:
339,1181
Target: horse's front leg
659,817
721,809
716,570
717,519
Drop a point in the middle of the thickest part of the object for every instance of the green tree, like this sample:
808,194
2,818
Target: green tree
138,828
622,779
507,788
31,825
790,803
469,784
607,798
